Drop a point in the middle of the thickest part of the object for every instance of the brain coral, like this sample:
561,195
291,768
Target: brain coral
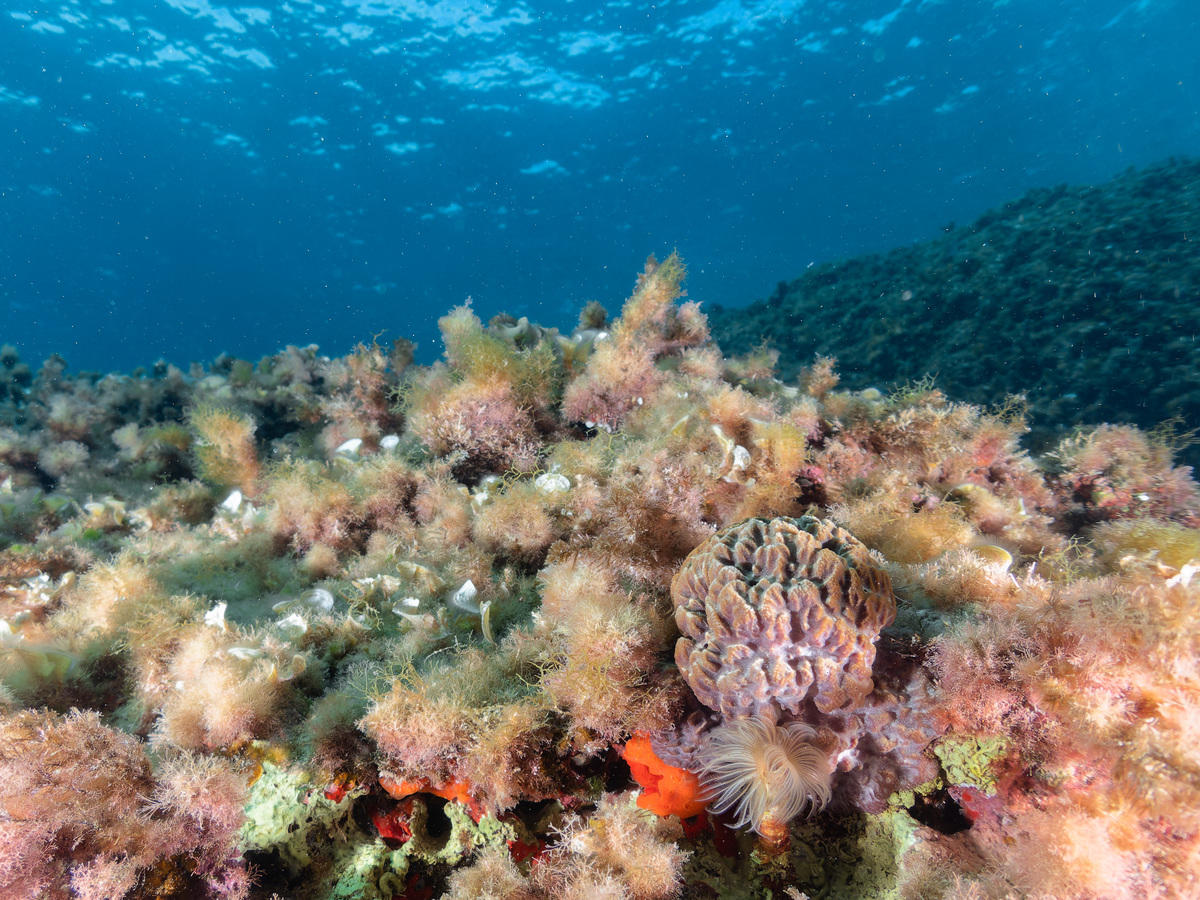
775,612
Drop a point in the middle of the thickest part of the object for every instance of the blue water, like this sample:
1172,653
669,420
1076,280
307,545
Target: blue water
180,179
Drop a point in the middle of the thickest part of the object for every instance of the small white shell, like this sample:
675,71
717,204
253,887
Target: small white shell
297,668
293,626
464,597
995,556
552,483
215,617
485,621
318,598
246,652
1184,577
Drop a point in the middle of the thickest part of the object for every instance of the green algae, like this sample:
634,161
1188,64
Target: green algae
290,818
244,574
466,836
858,857
309,832
285,815
849,858
971,759
371,870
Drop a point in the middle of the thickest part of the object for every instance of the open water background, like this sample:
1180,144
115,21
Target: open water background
181,178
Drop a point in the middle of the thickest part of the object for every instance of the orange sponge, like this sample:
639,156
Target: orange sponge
666,790
455,789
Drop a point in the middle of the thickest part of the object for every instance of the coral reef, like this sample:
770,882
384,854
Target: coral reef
776,613
576,615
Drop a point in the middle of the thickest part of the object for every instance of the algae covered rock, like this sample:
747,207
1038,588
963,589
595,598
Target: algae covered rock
290,820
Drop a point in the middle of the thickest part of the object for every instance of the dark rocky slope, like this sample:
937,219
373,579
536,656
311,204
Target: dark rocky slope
1087,299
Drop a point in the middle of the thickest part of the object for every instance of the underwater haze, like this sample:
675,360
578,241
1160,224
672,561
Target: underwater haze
181,179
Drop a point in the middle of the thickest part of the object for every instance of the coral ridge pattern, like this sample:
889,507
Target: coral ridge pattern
776,612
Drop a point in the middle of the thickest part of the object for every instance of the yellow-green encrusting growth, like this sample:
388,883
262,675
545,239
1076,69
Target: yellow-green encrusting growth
971,760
